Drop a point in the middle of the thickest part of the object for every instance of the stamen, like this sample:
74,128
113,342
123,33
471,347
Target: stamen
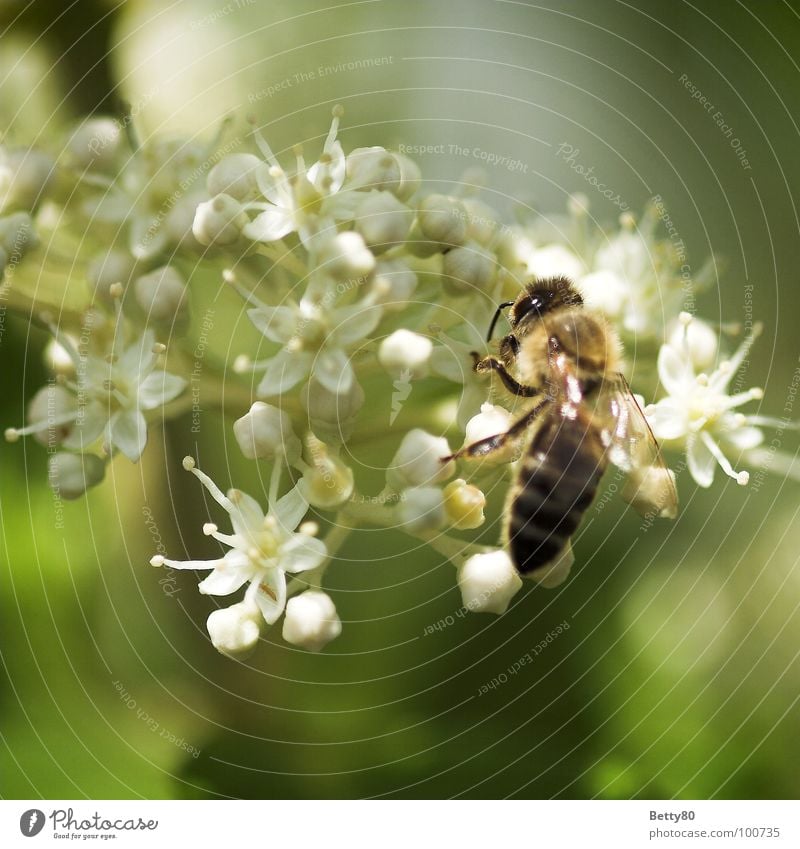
229,276
215,492
261,142
742,478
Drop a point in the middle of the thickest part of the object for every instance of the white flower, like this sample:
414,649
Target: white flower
25,176
441,223
699,414
382,220
235,630
162,294
703,341
263,548
422,509
107,269
111,391
219,221
488,582
311,620
419,461
235,175
346,256
95,143
328,481
489,422
266,432
396,281
70,475
317,339
555,261
468,269
405,352
464,505
296,203
332,415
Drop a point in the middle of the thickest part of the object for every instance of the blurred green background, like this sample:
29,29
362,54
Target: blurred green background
678,676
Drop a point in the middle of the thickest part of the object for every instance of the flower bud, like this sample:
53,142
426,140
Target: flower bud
405,353
398,282
373,168
468,269
464,504
701,338
57,359
555,261
442,220
24,178
554,574
604,291
266,432
382,221
489,422
235,630
346,256
488,582
49,404
421,509
418,461
482,221
410,177
331,414
95,144
235,175
219,221
70,475
179,223
311,620
328,481
17,234
105,270
162,294
650,490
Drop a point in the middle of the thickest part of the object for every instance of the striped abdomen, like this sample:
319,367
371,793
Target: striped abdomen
557,481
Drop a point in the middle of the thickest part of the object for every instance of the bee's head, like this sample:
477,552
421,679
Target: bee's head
542,297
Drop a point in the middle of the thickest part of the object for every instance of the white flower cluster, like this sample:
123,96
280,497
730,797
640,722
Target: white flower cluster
358,282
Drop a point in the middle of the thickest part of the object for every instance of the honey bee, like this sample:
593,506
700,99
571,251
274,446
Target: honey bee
584,417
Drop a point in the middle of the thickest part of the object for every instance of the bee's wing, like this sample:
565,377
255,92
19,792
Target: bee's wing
631,446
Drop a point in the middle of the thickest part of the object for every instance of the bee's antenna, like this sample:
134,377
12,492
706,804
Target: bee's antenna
496,316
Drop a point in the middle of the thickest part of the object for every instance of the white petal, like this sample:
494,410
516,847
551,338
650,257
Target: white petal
302,552
354,323
247,517
88,427
228,576
128,432
138,357
271,595
333,370
276,323
290,509
284,370
158,388
270,225
669,419
675,371
744,438
700,460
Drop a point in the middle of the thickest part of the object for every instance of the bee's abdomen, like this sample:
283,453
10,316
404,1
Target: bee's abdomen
558,479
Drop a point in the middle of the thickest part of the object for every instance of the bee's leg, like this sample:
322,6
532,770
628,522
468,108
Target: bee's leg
493,364
500,440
